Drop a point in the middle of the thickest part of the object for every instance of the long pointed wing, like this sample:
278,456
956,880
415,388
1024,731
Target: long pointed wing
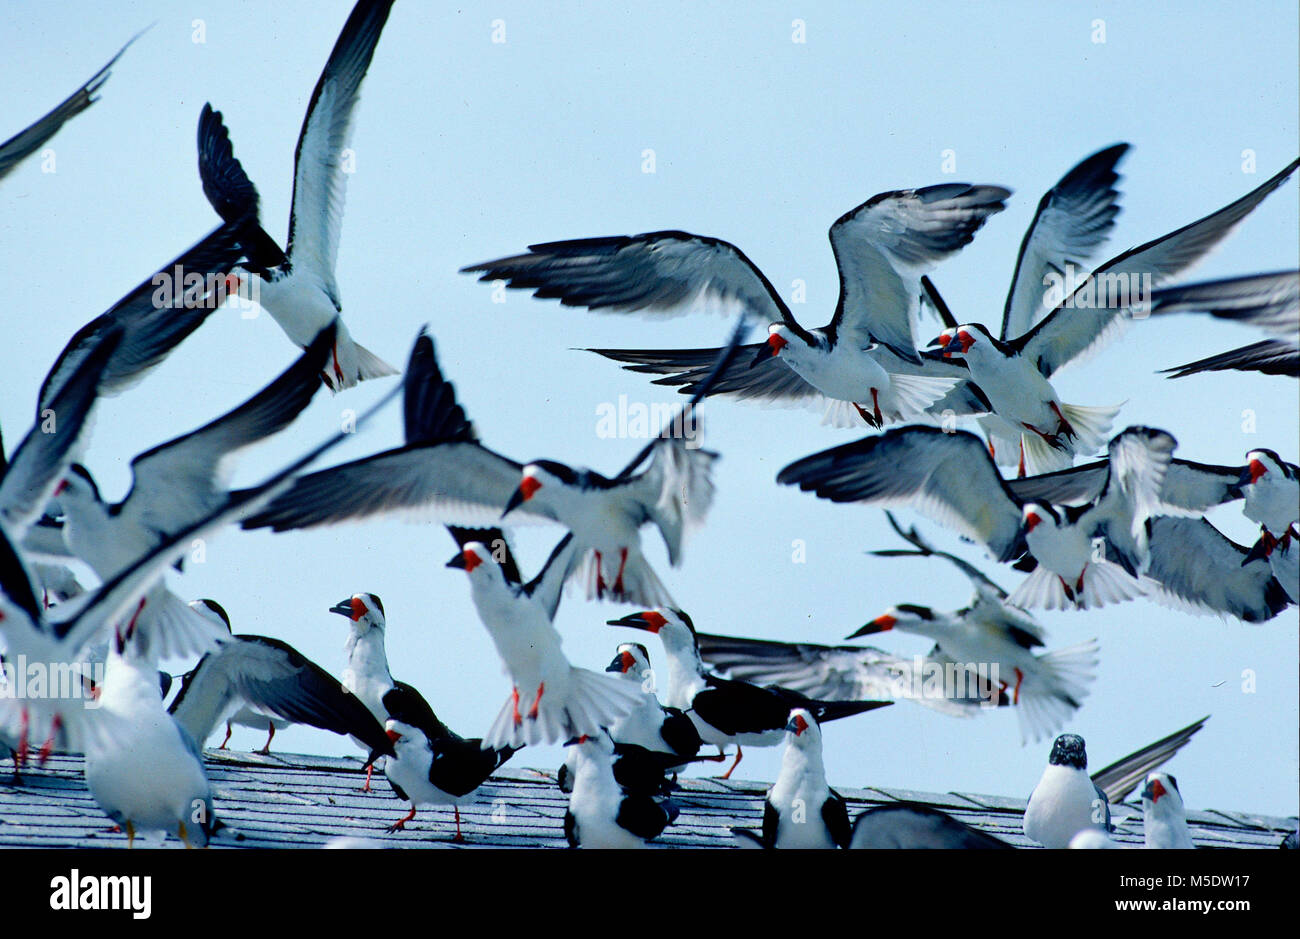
1269,357
38,464
30,139
1121,777
882,248
948,477
1091,314
182,479
272,676
770,380
1073,221
319,177
925,549
156,316
664,273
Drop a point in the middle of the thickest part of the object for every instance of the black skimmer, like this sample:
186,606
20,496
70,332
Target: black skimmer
863,366
28,480
265,683
62,635
1270,302
142,766
172,485
993,632
1164,820
30,139
728,712
1014,372
910,826
801,810
840,673
296,285
1067,800
551,700
600,813
1195,567
433,765
649,741
444,471
952,478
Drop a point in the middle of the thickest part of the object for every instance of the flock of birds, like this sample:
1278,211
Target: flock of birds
1130,524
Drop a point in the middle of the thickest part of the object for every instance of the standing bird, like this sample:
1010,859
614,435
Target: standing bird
728,712
432,765
1164,820
801,810
1066,801
550,700
862,367
296,285
600,813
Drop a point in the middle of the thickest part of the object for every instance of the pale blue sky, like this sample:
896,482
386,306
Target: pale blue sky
467,150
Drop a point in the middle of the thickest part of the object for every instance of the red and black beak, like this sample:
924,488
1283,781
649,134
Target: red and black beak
650,621
878,625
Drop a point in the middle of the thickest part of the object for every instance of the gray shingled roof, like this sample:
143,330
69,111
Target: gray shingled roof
285,800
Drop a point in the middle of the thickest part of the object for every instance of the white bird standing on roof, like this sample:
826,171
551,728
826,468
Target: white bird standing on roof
1164,820
366,674
1066,800
551,700
600,813
801,810
143,769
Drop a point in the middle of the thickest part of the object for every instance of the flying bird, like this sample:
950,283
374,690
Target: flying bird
296,285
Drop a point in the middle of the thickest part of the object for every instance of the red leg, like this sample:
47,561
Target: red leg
227,738
514,697
622,563
270,734
1065,427
1015,695
48,746
875,407
532,711
459,836
401,822
24,727
338,370
739,754
1020,468
369,771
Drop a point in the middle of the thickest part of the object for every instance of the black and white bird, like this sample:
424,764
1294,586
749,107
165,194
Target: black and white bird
296,285
801,810
1067,800
174,484
433,765
1269,302
1045,687
863,366
1164,819
443,471
30,139
366,673
551,700
143,767
61,636
728,712
262,682
600,813
1015,372
649,741
910,826
951,478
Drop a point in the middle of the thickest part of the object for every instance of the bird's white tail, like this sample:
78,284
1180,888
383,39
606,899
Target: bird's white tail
639,586
1047,699
370,365
593,701
1092,425
1042,457
909,396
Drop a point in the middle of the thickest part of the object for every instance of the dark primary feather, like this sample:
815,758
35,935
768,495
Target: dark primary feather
232,194
152,328
30,139
1120,778
1268,356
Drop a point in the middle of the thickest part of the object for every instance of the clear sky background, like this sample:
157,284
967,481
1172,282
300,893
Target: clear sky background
468,149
